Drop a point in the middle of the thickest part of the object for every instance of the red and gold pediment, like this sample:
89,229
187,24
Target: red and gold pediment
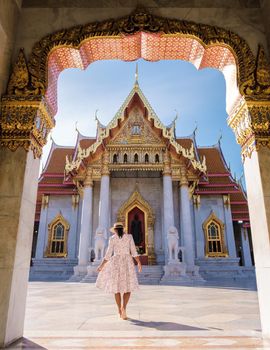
136,130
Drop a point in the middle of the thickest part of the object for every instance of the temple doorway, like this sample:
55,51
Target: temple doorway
136,227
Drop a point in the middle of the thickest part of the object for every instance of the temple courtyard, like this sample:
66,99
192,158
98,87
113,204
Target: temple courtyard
61,315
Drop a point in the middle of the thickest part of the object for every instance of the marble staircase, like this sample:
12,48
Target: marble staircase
151,274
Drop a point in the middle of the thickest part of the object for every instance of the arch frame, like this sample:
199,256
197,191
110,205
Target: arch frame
29,80
224,252
137,200
57,219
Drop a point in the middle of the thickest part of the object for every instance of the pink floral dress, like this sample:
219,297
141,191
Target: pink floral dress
119,275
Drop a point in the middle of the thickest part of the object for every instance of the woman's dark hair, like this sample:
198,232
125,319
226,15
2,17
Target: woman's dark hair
120,231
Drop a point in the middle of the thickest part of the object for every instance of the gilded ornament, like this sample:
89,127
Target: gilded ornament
219,237
140,20
21,83
257,85
251,125
136,200
25,123
52,237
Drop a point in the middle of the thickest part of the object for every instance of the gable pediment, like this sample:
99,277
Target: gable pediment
136,129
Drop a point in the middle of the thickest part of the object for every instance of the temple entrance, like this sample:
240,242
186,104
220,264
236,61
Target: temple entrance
138,218
136,227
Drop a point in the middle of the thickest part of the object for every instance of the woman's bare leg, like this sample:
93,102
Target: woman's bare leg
126,297
117,297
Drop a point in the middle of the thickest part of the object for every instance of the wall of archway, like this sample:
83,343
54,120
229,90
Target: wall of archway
27,116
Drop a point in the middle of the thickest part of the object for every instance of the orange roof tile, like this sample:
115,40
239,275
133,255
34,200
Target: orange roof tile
214,159
57,160
87,142
184,142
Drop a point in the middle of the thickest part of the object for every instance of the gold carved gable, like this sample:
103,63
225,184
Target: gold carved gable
136,130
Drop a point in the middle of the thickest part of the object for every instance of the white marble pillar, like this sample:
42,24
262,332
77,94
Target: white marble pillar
42,230
168,210
246,255
186,218
102,231
18,191
104,202
86,228
229,231
258,190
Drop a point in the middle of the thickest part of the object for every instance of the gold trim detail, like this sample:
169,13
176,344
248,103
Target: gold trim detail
59,219
26,118
197,200
75,200
21,82
136,200
45,201
257,86
251,125
226,200
213,219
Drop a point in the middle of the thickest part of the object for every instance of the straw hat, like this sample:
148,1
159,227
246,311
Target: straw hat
115,226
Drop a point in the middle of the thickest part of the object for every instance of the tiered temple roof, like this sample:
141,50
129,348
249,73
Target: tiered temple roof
208,163
217,181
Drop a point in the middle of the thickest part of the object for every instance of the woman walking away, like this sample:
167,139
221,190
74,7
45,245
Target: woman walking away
117,271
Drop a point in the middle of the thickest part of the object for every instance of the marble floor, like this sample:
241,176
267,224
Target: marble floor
77,316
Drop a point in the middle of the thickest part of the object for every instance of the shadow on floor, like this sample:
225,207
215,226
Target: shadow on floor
25,343
165,326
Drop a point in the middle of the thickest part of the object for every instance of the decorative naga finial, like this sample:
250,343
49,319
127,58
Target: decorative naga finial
96,118
136,76
176,116
220,136
196,128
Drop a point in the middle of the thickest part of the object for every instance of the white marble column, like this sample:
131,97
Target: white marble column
186,218
18,192
229,232
86,228
104,202
258,190
102,231
168,209
246,255
42,230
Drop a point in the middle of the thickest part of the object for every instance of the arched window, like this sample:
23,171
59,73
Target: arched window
156,158
125,158
214,237
57,237
136,158
115,158
146,158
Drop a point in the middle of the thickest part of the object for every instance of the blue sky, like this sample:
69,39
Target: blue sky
169,86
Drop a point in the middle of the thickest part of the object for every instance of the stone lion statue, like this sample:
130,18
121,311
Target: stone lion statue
100,243
173,247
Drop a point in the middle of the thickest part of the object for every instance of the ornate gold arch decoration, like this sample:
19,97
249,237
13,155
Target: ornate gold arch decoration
249,69
214,245
134,200
57,244
26,118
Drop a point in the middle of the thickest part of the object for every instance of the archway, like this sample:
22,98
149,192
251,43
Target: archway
29,107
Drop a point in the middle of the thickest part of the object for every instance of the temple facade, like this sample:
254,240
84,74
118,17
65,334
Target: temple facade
188,215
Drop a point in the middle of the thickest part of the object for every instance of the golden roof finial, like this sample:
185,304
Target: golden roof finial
136,76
